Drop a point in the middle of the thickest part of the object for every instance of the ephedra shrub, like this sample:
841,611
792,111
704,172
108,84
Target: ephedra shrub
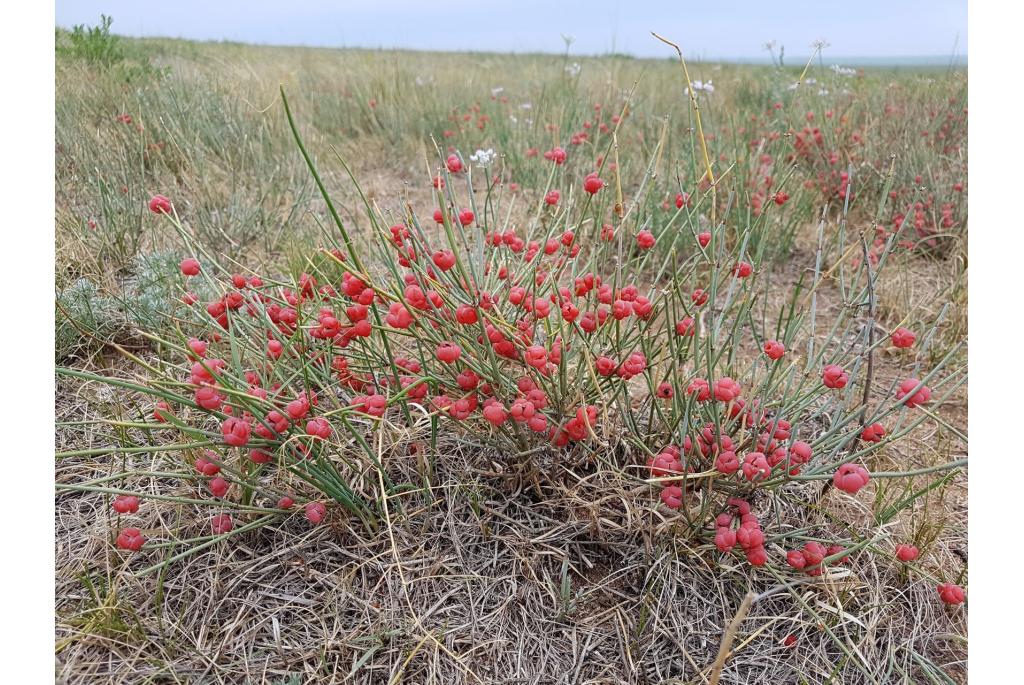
583,327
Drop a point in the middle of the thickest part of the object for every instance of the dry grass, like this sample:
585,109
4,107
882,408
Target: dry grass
509,590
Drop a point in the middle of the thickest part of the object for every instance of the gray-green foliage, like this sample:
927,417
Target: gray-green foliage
81,309
147,297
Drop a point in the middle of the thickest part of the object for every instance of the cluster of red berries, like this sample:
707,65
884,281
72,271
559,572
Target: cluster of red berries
130,539
810,559
461,329
747,534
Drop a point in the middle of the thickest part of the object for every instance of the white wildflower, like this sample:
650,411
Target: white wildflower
843,71
699,86
482,157
573,69
495,92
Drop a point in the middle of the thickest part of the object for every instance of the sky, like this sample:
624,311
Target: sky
715,29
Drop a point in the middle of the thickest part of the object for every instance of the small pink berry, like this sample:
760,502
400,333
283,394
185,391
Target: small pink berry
903,338
851,478
906,552
222,523
126,504
190,266
774,350
159,204
950,593
315,512
131,539
834,376
219,487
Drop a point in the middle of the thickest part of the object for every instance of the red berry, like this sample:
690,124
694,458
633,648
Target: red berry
190,266
219,487
672,496
903,338
222,523
873,433
315,512
922,394
495,414
448,352
208,465
756,467
131,539
727,463
592,183
851,478
465,314
297,408
444,259
685,327
757,556
800,452
260,456
126,504
197,346
319,427
950,593
774,349
159,204
749,537
236,432
665,464
906,552
834,376
726,389
274,349
725,538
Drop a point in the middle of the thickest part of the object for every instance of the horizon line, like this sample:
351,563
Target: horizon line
935,59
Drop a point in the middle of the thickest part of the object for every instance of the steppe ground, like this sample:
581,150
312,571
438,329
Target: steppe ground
493,580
